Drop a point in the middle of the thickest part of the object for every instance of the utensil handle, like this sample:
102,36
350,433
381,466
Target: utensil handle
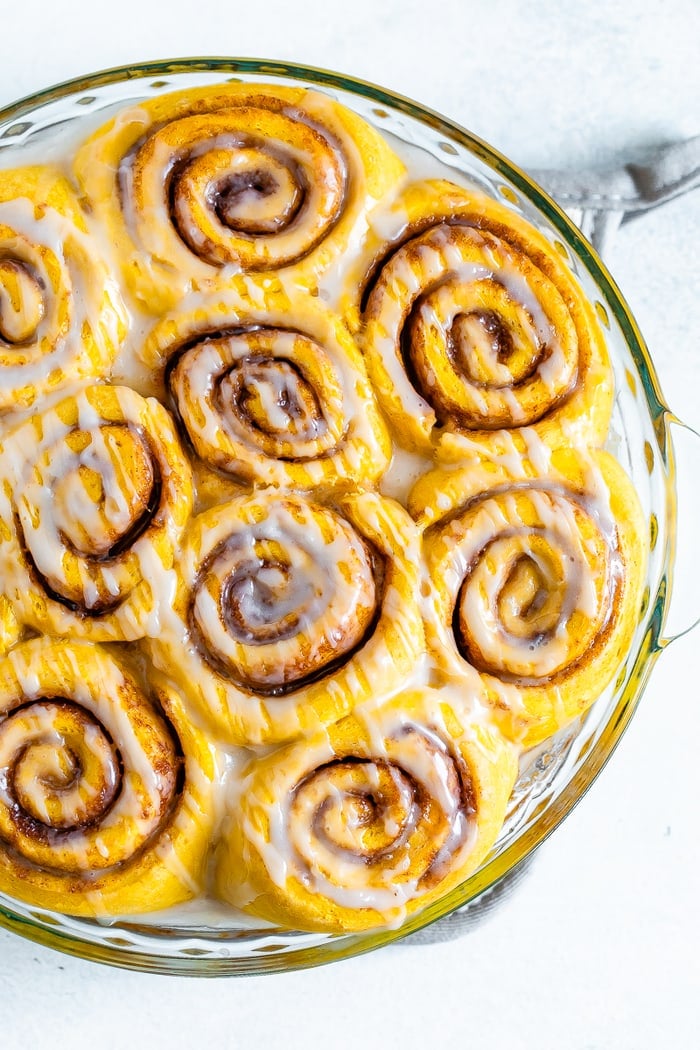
684,604
600,200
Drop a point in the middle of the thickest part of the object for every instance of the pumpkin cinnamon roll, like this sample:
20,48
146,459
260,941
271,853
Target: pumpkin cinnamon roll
105,786
472,322
201,185
61,315
270,389
361,825
287,612
94,495
536,561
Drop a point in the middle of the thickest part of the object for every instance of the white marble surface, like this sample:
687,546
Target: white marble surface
598,949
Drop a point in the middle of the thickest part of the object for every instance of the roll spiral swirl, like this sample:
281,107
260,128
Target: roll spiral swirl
471,324
98,787
358,826
287,612
99,493
238,179
61,315
271,391
10,630
536,579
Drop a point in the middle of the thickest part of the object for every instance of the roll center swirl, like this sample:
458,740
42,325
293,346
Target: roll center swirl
530,600
269,395
248,190
281,599
22,305
381,826
262,601
484,350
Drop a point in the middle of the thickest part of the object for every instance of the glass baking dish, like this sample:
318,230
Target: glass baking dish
555,776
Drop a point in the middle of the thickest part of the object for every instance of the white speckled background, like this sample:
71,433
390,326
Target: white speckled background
598,948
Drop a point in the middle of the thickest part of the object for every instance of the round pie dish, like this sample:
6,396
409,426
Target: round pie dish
554,775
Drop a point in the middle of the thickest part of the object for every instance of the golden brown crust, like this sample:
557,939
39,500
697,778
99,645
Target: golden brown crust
536,579
61,315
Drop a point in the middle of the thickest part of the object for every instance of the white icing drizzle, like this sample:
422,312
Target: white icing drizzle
403,471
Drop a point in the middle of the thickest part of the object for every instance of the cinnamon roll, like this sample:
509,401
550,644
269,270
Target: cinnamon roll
94,495
472,323
358,826
287,612
105,787
271,389
536,561
61,314
201,185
